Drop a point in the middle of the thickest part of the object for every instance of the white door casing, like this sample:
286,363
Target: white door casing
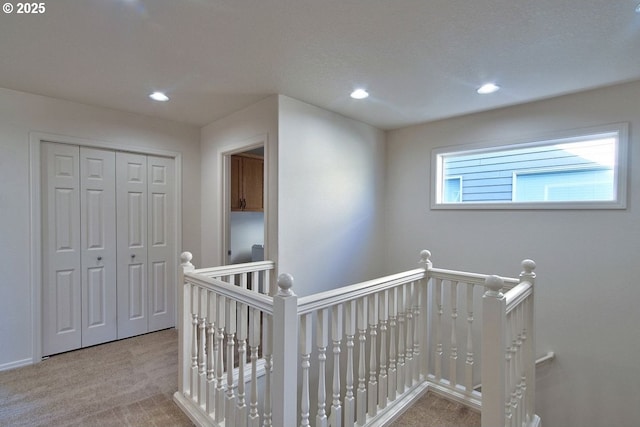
62,316
98,237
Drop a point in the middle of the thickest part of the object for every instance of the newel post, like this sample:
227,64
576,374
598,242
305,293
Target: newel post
423,295
285,353
493,353
528,336
184,320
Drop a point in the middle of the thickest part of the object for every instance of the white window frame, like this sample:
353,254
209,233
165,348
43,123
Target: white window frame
620,169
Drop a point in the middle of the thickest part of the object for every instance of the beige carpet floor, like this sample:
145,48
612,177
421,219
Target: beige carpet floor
131,383
123,383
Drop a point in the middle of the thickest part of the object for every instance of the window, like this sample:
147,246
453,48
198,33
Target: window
579,170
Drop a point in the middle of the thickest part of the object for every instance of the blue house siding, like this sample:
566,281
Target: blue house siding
489,176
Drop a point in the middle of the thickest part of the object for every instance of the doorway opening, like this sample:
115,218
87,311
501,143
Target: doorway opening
245,213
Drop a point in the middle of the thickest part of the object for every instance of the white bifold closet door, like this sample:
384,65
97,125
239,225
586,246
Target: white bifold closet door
108,245
61,303
145,247
98,245
79,262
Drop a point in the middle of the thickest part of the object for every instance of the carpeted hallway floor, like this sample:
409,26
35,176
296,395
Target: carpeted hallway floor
131,383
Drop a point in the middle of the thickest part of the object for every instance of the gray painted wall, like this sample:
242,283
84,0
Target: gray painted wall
22,113
587,294
331,195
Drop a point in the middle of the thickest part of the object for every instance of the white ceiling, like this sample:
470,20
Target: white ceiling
420,60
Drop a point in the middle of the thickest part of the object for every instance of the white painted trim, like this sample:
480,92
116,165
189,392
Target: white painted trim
35,213
192,410
395,409
621,167
15,364
260,140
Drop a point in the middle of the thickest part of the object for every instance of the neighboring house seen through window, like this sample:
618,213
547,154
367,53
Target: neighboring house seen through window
583,170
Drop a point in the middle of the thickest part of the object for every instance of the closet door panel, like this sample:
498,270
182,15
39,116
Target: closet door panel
98,236
162,255
61,312
131,195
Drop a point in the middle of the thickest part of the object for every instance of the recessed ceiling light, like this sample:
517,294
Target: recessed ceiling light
488,88
359,94
159,96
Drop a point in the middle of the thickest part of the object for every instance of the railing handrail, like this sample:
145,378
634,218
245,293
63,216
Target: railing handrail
507,323
469,278
343,294
248,267
251,298
517,295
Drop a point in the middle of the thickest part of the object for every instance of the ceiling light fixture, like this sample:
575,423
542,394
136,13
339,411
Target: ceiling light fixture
488,88
159,96
638,8
359,94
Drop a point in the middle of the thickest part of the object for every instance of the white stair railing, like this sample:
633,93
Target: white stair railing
363,352
508,352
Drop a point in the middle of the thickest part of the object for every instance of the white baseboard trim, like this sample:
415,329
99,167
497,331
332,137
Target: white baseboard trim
395,409
16,364
192,410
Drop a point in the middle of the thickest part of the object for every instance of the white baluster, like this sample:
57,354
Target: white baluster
417,326
402,336
393,310
254,343
194,342
453,362
322,340
515,377
468,375
220,384
383,312
519,362
211,374
437,302
361,401
241,404
305,351
230,398
267,354
336,336
350,332
373,350
408,359
202,360
508,374
255,282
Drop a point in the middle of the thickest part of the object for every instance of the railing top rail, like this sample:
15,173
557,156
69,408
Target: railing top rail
517,295
469,278
225,270
251,298
330,298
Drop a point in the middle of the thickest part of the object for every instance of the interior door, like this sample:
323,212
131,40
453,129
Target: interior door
61,292
131,218
98,242
162,256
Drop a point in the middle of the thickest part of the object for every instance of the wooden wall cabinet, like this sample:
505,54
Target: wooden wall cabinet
247,182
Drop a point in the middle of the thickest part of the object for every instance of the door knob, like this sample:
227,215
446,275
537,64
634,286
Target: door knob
99,258
133,256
